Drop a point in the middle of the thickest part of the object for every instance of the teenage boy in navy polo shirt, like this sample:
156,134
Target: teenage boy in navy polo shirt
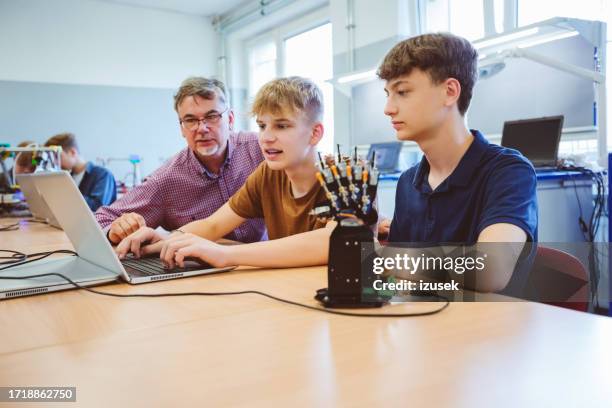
465,190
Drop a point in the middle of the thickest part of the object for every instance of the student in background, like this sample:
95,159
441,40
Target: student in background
95,183
465,190
23,161
22,165
199,179
283,190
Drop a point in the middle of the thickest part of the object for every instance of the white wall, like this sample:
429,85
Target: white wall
105,71
93,42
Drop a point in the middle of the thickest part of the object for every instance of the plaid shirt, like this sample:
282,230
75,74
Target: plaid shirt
183,190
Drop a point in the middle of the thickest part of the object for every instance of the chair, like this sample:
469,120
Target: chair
559,279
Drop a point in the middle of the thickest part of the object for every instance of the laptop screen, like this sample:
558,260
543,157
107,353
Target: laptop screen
536,139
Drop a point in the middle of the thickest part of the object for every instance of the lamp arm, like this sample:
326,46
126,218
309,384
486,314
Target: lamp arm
553,63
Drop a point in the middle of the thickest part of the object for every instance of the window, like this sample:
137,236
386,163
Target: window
461,17
301,47
437,16
467,18
262,65
530,11
262,68
315,62
498,14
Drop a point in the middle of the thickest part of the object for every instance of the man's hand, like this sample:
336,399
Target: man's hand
133,242
177,247
124,226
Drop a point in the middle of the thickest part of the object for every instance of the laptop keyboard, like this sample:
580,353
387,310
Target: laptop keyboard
154,266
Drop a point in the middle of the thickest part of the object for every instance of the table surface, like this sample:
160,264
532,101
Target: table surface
250,350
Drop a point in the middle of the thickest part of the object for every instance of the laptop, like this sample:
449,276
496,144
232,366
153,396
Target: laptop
537,139
36,203
96,261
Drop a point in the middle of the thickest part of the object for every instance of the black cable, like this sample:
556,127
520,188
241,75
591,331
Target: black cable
34,221
581,223
28,258
9,227
596,214
243,292
15,256
599,203
599,210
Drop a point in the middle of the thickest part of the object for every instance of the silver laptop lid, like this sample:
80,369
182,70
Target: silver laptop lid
38,206
75,268
76,219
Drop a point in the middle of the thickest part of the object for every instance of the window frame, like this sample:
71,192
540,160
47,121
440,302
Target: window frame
279,35
285,31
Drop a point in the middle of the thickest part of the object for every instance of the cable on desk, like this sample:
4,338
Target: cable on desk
15,226
9,227
19,258
42,255
15,256
35,221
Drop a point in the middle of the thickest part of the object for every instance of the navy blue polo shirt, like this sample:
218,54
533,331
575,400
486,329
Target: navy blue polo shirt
491,184
98,186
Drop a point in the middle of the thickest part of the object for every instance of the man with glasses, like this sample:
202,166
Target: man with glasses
199,179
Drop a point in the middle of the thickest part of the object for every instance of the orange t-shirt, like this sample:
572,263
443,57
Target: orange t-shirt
267,194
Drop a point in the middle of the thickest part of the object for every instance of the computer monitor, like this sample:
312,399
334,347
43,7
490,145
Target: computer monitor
387,156
537,139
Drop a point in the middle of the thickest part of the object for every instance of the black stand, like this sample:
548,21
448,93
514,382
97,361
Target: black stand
344,277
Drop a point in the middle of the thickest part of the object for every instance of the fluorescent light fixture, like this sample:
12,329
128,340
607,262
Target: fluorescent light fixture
357,77
554,37
506,38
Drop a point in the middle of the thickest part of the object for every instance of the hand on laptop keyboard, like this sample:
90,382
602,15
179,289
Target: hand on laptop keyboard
134,242
176,249
154,266
125,225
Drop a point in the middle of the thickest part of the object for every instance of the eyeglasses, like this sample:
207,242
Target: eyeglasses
192,124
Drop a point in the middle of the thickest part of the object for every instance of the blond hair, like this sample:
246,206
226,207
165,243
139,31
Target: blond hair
293,94
198,86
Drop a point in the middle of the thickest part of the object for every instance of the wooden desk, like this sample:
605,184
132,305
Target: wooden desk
252,351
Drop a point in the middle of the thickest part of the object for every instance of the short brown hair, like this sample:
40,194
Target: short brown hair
198,86
24,159
65,140
294,94
441,55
